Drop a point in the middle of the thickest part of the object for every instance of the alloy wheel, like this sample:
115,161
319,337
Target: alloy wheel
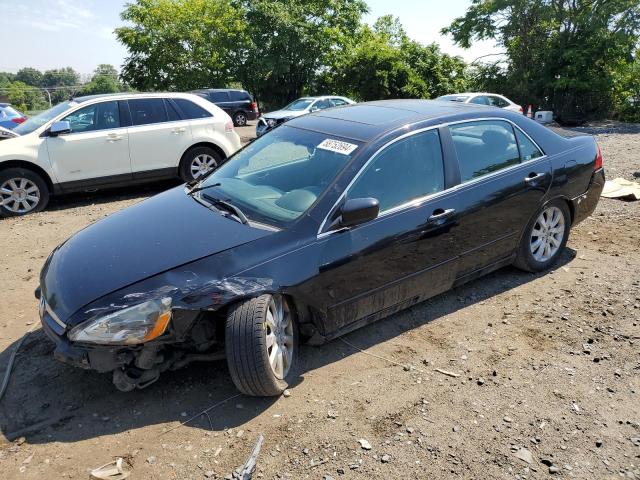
202,164
19,195
547,234
241,119
279,326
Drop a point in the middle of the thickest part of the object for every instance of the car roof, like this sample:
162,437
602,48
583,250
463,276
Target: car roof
126,95
366,121
219,90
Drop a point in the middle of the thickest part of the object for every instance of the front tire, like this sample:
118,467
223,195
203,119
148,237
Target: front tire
544,237
261,342
22,192
198,162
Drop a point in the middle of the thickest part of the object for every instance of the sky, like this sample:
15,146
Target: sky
49,34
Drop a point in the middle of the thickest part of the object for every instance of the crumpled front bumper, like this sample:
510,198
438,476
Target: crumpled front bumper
585,204
99,358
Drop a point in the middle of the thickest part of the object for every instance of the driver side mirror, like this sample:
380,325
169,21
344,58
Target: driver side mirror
357,211
60,128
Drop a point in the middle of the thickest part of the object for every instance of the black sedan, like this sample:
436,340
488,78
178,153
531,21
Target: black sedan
327,223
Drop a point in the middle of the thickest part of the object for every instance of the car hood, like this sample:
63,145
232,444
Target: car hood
278,114
154,236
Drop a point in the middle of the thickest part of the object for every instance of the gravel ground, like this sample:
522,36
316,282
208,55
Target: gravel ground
547,374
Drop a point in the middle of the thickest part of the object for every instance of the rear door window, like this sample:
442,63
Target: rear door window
480,100
145,111
219,97
190,110
237,96
484,147
172,113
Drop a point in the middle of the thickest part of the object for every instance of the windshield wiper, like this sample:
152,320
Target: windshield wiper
229,207
203,187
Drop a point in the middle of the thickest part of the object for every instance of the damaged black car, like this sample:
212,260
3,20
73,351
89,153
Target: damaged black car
321,226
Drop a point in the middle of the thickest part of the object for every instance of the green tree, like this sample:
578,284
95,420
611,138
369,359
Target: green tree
382,62
25,97
626,91
180,44
29,76
560,54
61,83
290,42
104,80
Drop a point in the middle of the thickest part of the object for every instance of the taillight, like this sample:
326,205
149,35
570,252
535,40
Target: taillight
254,107
228,127
18,120
598,159
520,109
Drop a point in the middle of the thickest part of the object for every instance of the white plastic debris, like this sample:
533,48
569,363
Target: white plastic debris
110,471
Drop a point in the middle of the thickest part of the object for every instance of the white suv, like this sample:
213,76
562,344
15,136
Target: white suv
110,140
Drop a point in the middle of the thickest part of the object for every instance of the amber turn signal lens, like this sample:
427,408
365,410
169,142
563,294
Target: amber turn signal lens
160,326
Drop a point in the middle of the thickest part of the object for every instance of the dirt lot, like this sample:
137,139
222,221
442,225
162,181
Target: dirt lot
548,365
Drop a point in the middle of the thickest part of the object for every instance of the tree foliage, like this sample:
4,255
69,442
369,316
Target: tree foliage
560,54
180,44
384,63
104,80
290,42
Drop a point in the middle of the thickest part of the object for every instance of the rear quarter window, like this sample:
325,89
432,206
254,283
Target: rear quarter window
191,110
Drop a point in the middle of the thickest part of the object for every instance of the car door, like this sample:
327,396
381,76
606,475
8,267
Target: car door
158,137
504,177
96,149
406,254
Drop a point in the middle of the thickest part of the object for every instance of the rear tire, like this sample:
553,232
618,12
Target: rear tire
261,348
240,119
198,162
22,191
544,237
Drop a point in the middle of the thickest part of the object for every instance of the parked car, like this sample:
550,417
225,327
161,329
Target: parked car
6,133
110,140
10,118
323,225
299,107
488,99
237,103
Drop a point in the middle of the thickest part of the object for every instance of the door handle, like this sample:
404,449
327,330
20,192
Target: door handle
533,178
179,130
440,214
113,137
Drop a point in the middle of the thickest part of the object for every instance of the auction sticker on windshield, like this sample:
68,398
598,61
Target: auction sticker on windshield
337,146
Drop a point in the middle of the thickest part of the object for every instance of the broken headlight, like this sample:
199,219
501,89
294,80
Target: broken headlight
132,325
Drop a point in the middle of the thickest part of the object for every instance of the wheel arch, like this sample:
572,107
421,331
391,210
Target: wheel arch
29,166
306,320
210,145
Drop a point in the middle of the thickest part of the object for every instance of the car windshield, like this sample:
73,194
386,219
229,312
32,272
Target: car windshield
37,121
300,104
7,113
280,175
454,98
